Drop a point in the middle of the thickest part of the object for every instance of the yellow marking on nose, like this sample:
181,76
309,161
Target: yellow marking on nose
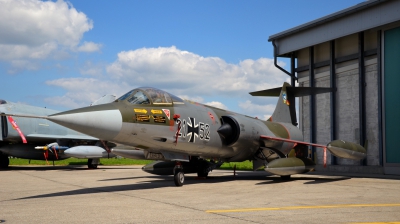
143,111
156,111
302,207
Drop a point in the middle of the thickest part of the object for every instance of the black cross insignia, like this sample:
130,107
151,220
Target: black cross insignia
193,129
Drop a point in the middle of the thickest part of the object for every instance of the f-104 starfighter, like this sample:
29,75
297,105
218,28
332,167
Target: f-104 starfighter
185,136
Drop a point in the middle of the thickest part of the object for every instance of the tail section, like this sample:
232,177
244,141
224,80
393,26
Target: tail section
285,110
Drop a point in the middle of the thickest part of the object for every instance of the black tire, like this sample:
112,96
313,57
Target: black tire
202,173
287,177
4,161
179,178
90,165
202,168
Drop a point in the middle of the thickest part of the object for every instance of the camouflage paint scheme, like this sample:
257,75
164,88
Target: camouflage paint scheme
191,136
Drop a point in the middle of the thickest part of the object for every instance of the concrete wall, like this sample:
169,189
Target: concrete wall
321,52
347,108
370,40
302,57
347,45
371,92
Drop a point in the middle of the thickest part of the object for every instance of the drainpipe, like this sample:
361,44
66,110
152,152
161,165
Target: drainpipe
279,67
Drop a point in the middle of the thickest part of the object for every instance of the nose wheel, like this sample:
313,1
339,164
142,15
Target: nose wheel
179,176
179,179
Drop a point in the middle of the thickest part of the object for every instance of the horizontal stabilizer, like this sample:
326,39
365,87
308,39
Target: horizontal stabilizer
339,148
294,91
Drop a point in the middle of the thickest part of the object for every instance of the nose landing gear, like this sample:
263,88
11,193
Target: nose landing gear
179,176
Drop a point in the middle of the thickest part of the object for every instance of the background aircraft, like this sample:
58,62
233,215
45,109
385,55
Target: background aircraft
191,137
45,136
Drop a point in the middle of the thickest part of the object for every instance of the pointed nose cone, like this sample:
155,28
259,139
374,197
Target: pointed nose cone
225,131
100,121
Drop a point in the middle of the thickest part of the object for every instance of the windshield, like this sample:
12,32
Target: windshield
158,96
138,98
147,95
126,95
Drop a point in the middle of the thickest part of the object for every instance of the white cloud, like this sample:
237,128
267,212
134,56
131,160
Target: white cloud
82,91
89,47
64,101
261,111
185,74
16,52
197,99
185,71
217,105
36,30
89,68
19,65
34,23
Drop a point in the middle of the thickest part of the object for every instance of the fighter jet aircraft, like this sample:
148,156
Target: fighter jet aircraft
192,137
35,138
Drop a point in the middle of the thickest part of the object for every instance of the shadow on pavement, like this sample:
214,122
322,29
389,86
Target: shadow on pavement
67,168
167,182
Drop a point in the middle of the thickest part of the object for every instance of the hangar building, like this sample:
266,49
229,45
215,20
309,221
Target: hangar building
357,52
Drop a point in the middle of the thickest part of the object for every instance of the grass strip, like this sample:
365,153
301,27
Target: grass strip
74,161
246,165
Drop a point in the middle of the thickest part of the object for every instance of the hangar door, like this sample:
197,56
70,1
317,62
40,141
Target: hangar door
391,95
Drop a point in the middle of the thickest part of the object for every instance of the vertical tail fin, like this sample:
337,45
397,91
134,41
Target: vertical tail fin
285,110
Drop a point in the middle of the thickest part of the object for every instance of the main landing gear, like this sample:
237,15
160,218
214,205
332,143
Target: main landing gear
204,167
200,166
92,163
179,176
4,161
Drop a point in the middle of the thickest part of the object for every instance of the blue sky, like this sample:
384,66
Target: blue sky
66,54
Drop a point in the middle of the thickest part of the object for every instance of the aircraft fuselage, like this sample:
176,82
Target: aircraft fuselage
183,127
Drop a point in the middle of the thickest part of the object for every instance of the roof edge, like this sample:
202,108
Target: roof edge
325,19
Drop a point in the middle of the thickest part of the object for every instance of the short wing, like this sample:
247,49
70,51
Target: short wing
76,137
339,148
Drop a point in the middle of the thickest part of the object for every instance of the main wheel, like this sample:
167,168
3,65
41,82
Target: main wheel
179,178
202,173
202,168
90,165
287,177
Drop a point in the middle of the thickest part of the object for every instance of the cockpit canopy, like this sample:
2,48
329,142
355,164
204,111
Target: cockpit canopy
149,95
3,101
